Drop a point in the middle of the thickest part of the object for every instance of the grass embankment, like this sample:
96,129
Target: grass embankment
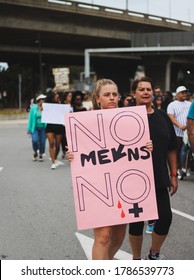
12,111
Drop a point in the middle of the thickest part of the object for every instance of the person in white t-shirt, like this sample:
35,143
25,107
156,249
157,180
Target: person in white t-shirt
87,102
178,111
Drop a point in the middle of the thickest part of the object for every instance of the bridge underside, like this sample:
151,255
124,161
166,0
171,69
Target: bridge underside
63,31
61,37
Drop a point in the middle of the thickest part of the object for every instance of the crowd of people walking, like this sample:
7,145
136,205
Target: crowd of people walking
54,133
169,116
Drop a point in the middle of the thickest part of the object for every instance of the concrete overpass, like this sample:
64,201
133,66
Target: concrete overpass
62,30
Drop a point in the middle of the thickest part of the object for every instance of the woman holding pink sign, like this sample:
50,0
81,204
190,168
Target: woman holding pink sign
107,239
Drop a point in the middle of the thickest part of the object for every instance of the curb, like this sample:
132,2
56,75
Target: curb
13,119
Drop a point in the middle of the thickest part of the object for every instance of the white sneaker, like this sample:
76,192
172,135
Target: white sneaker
57,162
53,166
188,173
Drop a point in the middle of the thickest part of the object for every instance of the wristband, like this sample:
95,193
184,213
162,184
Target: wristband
173,174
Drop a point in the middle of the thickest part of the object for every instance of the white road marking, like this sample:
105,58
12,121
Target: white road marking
87,243
1,168
183,214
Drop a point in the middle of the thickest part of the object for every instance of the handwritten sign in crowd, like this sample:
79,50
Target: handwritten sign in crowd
112,173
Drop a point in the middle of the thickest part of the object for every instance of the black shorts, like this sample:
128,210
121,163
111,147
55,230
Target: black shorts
55,128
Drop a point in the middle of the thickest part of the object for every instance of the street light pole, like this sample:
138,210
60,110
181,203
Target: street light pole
40,62
127,5
169,8
20,91
148,7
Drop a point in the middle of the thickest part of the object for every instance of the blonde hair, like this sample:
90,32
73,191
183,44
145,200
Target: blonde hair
96,91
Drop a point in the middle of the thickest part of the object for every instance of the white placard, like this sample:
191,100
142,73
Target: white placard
55,113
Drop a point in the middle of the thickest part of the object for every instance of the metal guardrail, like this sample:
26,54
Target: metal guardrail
131,14
97,10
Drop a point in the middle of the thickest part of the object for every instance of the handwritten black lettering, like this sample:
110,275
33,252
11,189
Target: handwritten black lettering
106,156
117,154
89,157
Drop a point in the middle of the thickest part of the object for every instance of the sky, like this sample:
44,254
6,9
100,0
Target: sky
173,9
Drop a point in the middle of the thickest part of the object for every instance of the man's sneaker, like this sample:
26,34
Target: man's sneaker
53,166
40,158
181,174
149,229
188,173
184,170
35,156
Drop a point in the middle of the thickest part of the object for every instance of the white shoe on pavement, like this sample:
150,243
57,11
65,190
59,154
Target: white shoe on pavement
53,166
57,162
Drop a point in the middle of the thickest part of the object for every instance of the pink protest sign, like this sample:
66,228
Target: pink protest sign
112,173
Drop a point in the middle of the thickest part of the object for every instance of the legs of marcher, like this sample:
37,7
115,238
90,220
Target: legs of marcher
42,140
136,245
107,241
161,226
51,140
118,235
102,242
64,142
179,146
136,238
157,241
35,141
58,138
183,154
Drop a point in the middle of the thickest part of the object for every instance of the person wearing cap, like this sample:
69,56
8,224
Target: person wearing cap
178,111
190,126
37,129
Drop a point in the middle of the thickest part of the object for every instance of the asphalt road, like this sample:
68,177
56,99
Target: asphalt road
37,217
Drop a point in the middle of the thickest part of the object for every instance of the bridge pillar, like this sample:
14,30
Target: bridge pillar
158,68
